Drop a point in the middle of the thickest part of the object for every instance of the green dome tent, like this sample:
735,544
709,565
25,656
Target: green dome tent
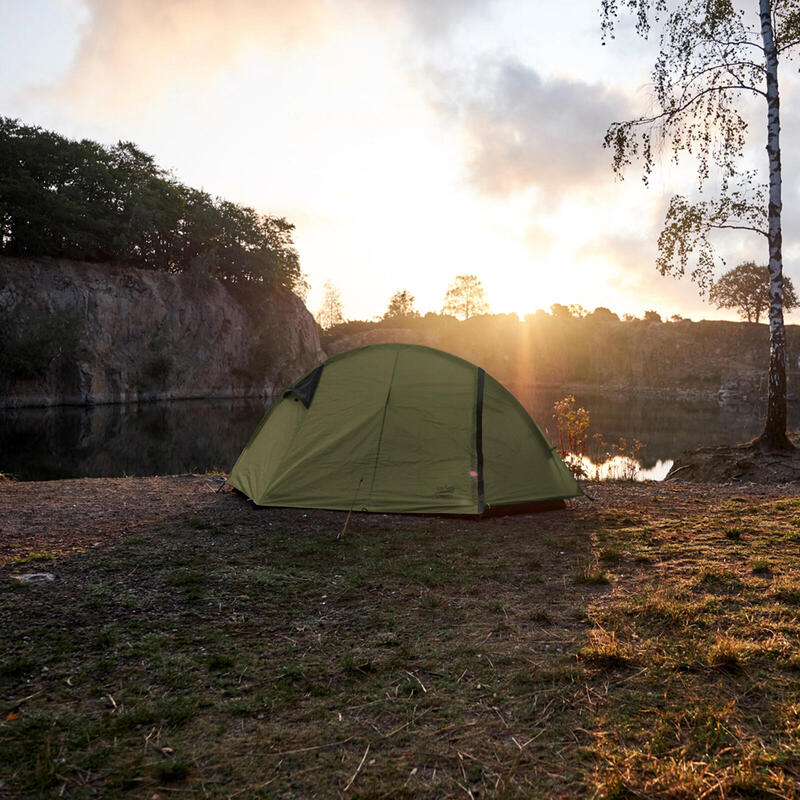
400,428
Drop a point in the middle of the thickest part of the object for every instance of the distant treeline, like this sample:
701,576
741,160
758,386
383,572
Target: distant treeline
83,201
597,348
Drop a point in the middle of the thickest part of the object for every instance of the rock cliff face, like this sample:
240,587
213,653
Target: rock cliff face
708,359
74,333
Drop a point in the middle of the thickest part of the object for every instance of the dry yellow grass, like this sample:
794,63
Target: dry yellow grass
625,648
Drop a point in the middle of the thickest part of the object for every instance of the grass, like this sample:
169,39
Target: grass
591,575
760,566
247,653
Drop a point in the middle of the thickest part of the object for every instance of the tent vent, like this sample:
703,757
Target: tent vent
305,388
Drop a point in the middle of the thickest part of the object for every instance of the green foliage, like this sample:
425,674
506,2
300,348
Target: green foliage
81,200
706,68
746,289
688,228
697,96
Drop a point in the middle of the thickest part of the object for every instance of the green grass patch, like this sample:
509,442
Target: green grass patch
415,658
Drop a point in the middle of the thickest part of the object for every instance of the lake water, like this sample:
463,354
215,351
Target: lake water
199,436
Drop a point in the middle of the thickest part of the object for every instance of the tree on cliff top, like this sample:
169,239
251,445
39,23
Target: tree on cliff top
401,304
465,298
746,289
81,200
713,55
331,311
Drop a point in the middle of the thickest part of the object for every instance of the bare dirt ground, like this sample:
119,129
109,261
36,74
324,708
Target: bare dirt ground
644,643
746,462
71,516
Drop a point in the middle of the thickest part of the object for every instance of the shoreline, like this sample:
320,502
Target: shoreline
724,395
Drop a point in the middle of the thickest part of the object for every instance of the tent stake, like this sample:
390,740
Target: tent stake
341,533
351,509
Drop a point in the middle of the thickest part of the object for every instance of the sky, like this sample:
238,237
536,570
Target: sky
409,141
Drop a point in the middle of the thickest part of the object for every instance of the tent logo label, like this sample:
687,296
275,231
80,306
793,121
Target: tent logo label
445,491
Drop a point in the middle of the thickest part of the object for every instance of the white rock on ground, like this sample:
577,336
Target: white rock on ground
35,577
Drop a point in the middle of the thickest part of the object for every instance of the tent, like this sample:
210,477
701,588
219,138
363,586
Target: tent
400,428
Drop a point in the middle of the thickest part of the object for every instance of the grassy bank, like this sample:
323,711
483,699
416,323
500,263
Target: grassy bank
644,645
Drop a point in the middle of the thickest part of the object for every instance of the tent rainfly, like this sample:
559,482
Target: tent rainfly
400,428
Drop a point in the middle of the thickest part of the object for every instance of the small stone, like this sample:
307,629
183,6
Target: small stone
35,577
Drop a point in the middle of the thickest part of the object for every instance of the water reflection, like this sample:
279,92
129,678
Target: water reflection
200,435
620,468
115,440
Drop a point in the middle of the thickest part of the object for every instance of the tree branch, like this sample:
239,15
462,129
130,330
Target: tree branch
740,228
745,64
672,112
742,43
787,45
724,65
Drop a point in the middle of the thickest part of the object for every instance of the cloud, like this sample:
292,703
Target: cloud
132,51
524,131
636,278
435,18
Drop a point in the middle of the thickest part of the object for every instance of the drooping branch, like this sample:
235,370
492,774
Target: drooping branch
686,105
687,229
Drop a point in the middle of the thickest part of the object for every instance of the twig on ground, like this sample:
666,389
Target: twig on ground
308,749
417,680
358,769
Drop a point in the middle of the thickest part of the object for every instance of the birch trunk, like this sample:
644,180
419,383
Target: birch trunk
774,435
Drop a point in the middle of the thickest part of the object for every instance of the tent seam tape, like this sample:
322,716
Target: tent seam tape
383,423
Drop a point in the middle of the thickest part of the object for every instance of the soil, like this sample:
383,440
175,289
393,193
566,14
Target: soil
71,516
741,463
57,518
644,642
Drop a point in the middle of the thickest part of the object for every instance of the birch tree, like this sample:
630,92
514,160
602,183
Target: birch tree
714,57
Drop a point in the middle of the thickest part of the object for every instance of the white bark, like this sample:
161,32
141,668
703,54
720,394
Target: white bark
775,427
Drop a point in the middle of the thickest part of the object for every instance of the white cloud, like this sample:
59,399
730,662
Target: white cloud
524,131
